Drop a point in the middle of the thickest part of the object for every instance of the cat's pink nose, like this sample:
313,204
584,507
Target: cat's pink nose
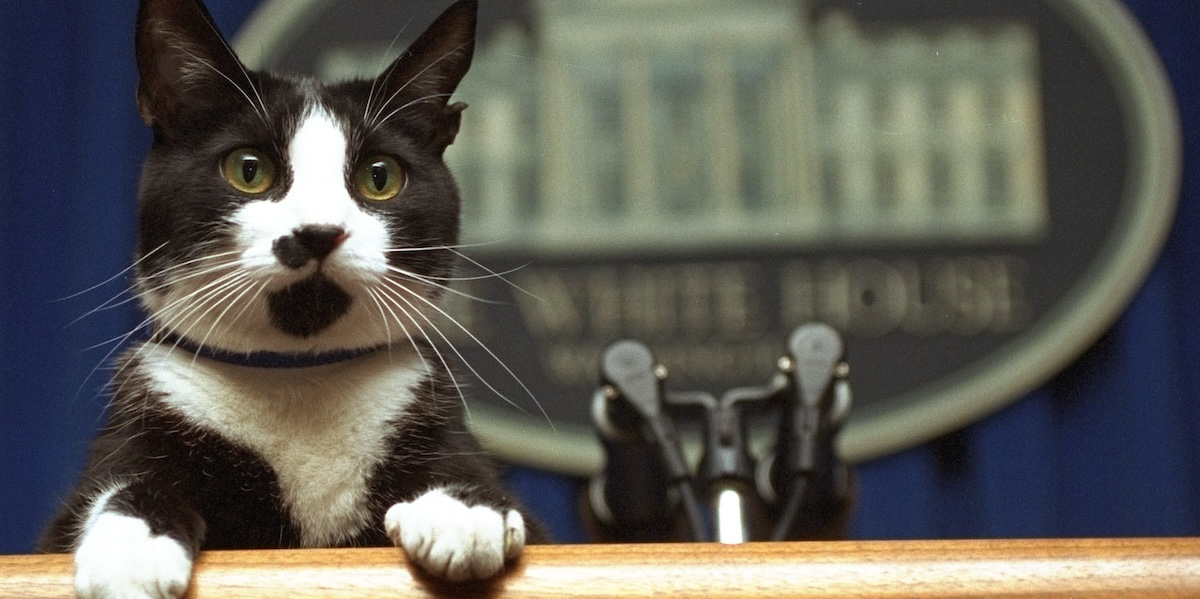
310,242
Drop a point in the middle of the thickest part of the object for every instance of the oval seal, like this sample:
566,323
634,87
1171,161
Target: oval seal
970,191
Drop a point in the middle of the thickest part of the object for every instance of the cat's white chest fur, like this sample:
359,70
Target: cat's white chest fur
321,429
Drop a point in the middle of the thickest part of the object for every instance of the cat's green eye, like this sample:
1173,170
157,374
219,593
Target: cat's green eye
379,178
248,171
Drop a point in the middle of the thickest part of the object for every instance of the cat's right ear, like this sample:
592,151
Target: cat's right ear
183,61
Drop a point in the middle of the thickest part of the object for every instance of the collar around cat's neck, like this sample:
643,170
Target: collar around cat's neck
265,359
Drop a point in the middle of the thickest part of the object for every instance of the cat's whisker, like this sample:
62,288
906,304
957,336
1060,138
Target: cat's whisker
232,297
262,106
118,300
459,386
386,73
407,105
204,257
400,290
383,316
204,289
395,300
141,349
226,297
250,302
117,342
170,274
205,299
376,122
262,116
385,308
123,272
185,321
501,276
432,282
456,278
439,247
489,273
173,276
122,340
166,287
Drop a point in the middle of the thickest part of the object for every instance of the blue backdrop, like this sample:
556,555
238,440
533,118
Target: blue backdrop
1109,447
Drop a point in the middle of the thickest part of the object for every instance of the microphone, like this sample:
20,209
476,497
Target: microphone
645,477
805,469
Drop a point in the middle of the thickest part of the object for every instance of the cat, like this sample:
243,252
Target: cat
294,238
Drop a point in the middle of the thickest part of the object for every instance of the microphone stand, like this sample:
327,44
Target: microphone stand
648,485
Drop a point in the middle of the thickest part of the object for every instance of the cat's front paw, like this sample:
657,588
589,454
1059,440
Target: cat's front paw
452,540
118,558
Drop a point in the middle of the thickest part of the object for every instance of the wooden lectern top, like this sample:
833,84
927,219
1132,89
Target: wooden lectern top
1125,568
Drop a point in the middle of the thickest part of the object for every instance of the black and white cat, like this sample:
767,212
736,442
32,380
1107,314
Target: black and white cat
295,237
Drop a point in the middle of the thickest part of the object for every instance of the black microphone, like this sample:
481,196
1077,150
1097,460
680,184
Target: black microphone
820,399
645,476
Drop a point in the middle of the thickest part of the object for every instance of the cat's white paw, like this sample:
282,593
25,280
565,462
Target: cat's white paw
452,540
118,558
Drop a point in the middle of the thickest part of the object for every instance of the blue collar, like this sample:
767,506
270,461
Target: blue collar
265,359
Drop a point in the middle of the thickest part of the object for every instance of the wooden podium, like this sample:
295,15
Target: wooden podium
902,569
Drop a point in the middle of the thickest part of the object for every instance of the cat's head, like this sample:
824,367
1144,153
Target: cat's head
288,214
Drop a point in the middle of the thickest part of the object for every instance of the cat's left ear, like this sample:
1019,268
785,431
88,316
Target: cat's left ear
183,61
422,79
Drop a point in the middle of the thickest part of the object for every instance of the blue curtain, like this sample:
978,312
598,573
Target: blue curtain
70,148
1109,447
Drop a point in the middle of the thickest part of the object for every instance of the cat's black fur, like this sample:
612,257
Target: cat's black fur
189,479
